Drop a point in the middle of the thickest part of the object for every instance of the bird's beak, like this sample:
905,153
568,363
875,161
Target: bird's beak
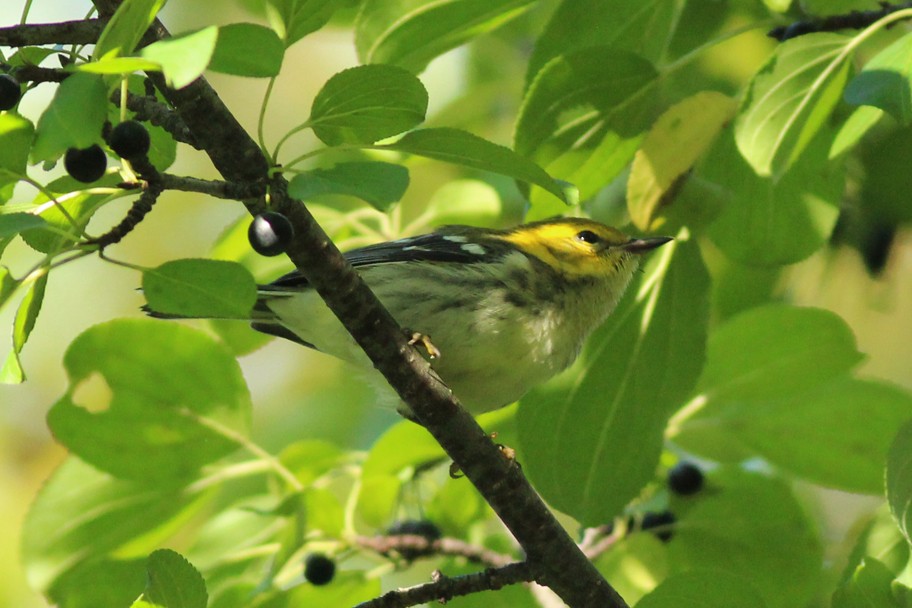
644,245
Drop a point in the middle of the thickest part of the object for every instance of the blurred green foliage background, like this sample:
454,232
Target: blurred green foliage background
298,393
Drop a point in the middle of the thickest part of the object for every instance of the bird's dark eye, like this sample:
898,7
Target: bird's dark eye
587,236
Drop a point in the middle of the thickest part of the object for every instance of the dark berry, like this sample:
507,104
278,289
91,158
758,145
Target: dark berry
685,479
86,164
129,139
417,527
319,569
663,521
9,92
270,233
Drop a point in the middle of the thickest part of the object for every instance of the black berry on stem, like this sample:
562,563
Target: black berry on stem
129,139
319,569
663,521
270,233
685,478
85,164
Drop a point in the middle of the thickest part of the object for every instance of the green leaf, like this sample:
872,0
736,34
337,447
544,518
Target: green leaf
879,537
347,589
789,100
634,565
118,65
82,514
854,128
16,135
294,19
767,222
183,58
173,582
674,144
150,400
368,103
380,184
73,119
462,148
100,581
410,33
899,480
162,149
886,81
751,526
836,435
26,315
584,115
247,49
14,223
790,401
811,347
200,288
613,405
870,586
8,285
644,27
309,459
401,449
703,589
79,202
126,27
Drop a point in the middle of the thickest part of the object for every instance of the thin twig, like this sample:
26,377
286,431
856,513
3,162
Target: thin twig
443,588
855,20
415,545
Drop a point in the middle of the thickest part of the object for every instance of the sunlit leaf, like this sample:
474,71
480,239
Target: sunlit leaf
886,81
584,115
789,100
73,119
367,103
183,58
409,33
24,323
644,27
673,145
16,135
462,148
126,27
167,400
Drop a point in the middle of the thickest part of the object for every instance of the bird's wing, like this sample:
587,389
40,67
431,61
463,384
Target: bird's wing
434,247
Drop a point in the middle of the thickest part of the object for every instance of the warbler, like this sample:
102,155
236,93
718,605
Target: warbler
501,310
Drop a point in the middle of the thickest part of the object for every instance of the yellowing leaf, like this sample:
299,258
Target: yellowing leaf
676,141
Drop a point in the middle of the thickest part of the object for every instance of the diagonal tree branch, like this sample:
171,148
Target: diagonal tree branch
553,557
